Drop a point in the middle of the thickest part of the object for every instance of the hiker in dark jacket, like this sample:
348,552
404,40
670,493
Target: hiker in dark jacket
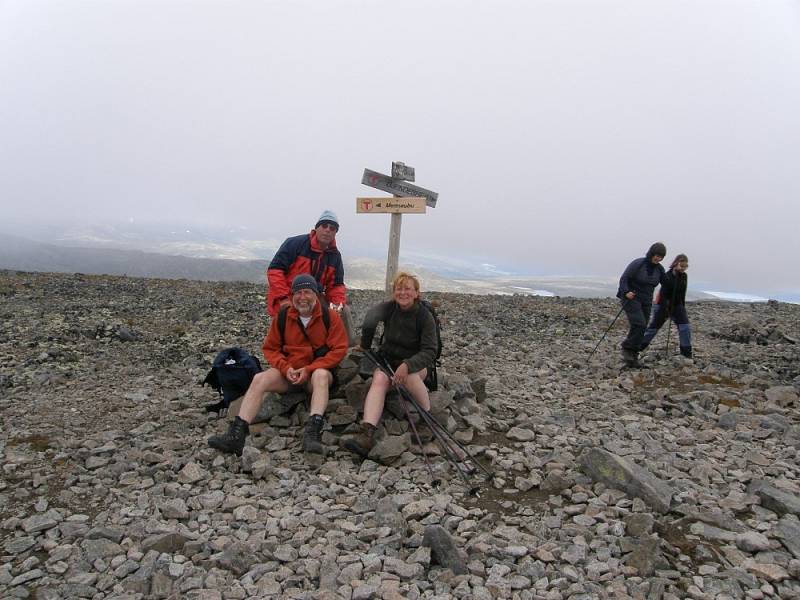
314,253
636,287
409,350
671,303
301,358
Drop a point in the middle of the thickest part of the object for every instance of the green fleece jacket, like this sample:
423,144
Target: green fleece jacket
401,342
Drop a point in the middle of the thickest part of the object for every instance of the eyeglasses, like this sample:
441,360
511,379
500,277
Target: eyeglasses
328,226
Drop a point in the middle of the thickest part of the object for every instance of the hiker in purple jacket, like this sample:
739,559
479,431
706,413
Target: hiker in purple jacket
635,291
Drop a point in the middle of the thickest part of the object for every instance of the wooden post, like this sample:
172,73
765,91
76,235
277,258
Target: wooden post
393,257
408,198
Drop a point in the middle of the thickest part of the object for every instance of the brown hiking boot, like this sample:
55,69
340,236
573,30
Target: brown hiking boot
363,442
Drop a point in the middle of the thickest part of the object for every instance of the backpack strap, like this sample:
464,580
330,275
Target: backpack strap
282,324
391,306
437,324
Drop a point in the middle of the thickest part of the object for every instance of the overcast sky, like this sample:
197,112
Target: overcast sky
562,136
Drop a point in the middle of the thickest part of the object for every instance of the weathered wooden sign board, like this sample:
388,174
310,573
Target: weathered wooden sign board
409,198
390,205
398,187
401,170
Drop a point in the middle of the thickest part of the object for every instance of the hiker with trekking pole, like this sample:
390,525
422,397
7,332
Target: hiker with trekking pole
409,344
671,304
636,286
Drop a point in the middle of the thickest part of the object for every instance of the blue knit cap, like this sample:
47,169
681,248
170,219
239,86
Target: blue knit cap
328,216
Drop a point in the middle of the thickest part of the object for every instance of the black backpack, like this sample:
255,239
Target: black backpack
231,373
432,379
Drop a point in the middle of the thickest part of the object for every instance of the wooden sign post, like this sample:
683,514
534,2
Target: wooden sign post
408,198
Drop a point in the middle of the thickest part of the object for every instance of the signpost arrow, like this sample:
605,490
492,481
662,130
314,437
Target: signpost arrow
409,198
390,205
398,187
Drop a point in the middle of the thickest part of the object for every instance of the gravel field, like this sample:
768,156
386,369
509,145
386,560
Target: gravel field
679,480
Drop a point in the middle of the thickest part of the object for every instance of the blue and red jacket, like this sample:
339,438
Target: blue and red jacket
302,254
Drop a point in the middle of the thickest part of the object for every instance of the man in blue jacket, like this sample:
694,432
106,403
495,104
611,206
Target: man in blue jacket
636,287
316,254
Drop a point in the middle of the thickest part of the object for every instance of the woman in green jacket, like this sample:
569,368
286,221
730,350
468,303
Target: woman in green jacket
409,344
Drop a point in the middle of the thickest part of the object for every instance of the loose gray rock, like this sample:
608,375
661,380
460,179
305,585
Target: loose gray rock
622,474
752,541
788,531
443,549
782,395
775,499
236,557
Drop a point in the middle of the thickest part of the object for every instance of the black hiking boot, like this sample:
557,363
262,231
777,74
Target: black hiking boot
231,442
312,438
363,442
631,358
686,351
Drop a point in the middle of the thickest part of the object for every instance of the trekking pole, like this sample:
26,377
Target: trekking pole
435,426
405,396
441,427
452,457
669,320
609,329
434,481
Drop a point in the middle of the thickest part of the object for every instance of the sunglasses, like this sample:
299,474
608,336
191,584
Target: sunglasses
329,226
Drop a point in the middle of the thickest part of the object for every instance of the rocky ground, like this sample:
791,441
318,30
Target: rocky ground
676,481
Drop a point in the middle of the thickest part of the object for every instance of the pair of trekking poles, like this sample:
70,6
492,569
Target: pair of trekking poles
605,333
449,444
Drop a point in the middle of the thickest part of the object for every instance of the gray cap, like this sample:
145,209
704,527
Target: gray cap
304,281
328,216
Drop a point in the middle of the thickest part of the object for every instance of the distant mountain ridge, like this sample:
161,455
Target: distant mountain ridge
26,255
18,253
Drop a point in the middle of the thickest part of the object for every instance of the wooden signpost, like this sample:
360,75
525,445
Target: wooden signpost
408,198
391,205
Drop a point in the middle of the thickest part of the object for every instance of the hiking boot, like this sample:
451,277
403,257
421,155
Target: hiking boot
231,442
630,357
363,442
312,438
686,351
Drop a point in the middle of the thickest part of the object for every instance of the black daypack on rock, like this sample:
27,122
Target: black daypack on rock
231,373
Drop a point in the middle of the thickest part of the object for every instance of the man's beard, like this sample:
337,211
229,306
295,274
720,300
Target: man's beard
305,308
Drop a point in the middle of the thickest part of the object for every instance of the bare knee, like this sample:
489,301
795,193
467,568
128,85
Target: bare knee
270,380
380,380
321,378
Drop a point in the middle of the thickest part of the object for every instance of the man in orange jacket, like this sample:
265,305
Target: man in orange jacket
301,358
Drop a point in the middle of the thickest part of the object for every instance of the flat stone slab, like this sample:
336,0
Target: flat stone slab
788,531
775,499
622,474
